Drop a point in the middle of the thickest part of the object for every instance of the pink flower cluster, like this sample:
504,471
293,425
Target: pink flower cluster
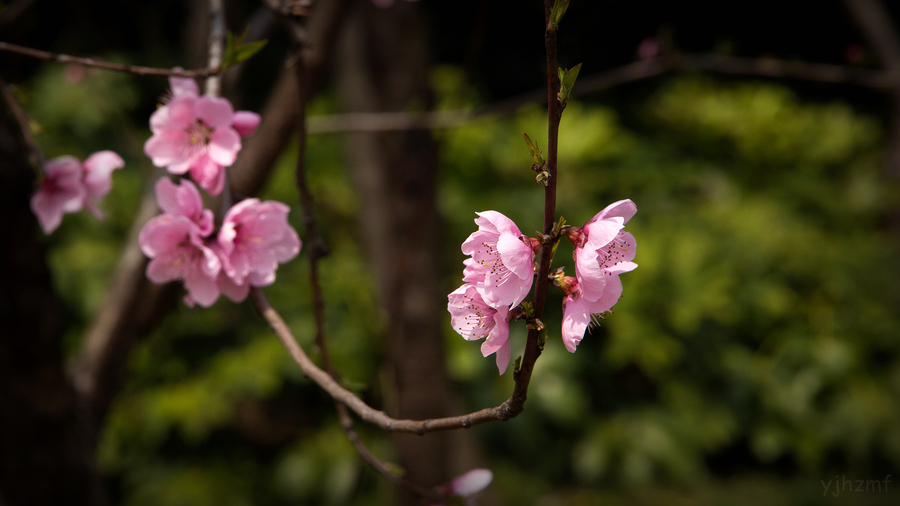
500,271
253,239
602,251
69,185
198,134
498,275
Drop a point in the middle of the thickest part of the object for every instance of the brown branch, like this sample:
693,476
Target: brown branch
533,347
216,46
35,153
101,64
348,398
632,72
316,249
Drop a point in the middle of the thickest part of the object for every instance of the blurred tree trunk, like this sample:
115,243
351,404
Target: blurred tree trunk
382,65
47,451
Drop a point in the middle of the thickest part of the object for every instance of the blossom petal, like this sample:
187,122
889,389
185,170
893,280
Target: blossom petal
576,318
245,122
224,145
215,112
516,255
611,295
623,208
208,174
166,268
98,172
202,288
471,482
183,86
232,290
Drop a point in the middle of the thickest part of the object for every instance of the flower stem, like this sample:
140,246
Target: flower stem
533,346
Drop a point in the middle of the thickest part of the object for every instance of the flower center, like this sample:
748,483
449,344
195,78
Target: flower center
199,133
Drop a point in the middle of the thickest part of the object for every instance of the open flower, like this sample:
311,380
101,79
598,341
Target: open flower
194,134
68,186
256,237
97,178
179,252
197,134
602,251
473,319
502,263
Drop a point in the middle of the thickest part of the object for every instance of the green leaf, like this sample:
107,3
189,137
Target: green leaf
535,152
566,83
558,11
236,51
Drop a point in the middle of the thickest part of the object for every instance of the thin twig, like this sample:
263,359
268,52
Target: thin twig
34,151
101,64
216,46
367,413
632,72
316,249
533,348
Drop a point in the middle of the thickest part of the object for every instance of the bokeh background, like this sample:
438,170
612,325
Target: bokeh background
753,358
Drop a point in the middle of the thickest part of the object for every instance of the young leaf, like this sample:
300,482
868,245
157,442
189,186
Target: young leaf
566,83
557,12
237,51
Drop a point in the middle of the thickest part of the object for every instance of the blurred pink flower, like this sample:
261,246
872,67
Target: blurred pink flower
255,237
245,122
502,263
69,185
179,252
602,252
194,134
197,134
473,319
97,177
466,485
184,199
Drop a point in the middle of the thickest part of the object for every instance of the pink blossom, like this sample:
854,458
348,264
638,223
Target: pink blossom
467,485
255,237
245,122
184,199
69,185
194,134
603,251
97,177
502,261
183,86
473,319
178,252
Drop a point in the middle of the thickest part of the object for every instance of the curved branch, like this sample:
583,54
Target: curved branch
369,414
101,64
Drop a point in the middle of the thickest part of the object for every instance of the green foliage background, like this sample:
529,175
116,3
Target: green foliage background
753,355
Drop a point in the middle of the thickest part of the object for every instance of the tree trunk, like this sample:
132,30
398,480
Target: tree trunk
381,66
47,451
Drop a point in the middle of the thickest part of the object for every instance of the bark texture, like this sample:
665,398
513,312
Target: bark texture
46,444
381,66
